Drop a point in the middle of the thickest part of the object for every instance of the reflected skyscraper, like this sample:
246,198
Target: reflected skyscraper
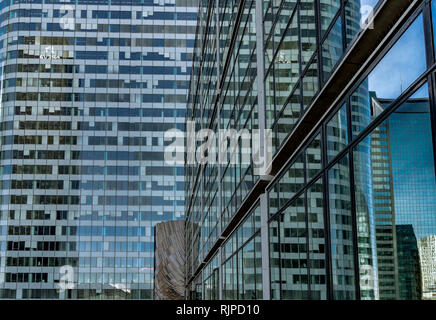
351,187
409,265
401,222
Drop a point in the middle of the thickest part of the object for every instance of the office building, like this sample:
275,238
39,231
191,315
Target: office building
88,88
347,206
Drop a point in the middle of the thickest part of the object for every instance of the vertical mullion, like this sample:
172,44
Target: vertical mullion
354,226
300,54
432,97
265,246
306,217
344,26
430,54
428,33
326,209
317,7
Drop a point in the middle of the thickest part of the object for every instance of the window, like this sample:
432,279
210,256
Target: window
398,69
307,31
337,133
399,150
332,49
328,9
341,232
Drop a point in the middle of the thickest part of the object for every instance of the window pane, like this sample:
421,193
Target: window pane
396,204
310,83
399,68
274,262
289,117
313,158
227,281
280,26
234,276
342,253
337,133
273,200
258,263
332,49
269,99
268,23
329,8
307,31
248,269
269,53
315,217
293,245
287,64
433,18
241,273
291,182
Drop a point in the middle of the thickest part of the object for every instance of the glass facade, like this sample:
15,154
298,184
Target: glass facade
348,210
88,88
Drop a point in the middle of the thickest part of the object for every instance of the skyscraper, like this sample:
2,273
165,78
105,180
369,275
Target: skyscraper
88,88
346,92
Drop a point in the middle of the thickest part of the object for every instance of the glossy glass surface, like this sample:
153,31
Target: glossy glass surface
84,109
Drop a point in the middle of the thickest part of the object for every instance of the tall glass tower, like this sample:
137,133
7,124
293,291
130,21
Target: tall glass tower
88,88
347,208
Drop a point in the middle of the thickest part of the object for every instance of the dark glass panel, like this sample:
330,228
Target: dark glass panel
396,203
341,232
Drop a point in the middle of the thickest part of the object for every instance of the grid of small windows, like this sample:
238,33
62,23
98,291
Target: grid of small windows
88,89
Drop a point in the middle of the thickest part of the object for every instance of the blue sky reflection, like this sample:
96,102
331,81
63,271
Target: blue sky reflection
402,65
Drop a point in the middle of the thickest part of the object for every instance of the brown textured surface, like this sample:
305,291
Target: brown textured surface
169,278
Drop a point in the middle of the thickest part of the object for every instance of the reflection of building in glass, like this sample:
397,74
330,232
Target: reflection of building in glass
427,254
364,200
344,205
408,264
384,207
404,149
413,167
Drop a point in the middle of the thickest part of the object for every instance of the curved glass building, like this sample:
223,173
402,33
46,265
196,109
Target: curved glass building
88,88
